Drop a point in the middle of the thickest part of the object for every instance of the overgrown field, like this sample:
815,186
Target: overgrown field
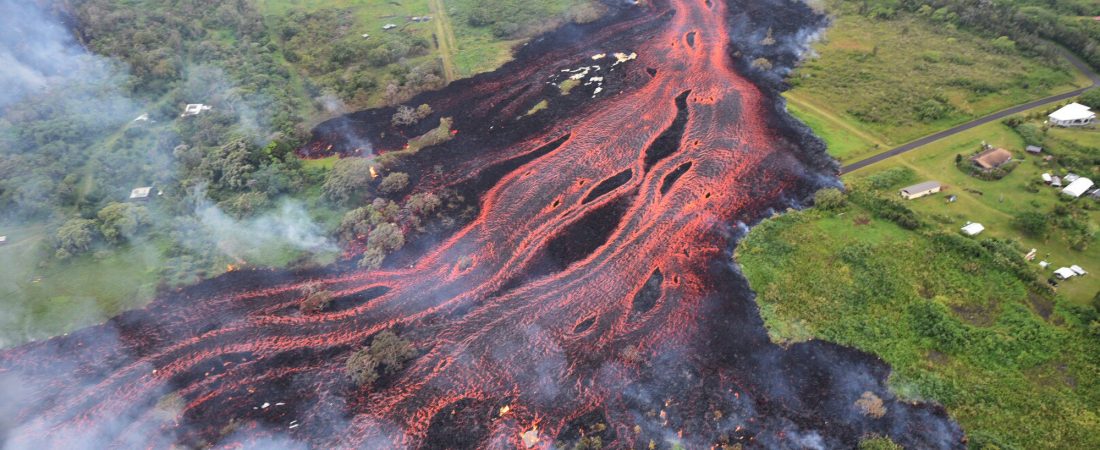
960,320
877,82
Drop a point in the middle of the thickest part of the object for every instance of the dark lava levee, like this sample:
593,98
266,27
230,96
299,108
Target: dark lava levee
595,298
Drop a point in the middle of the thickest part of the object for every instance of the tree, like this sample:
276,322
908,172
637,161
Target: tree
383,239
404,116
316,302
74,237
391,351
1031,223
349,181
1090,98
387,352
120,221
362,368
829,199
394,183
424,110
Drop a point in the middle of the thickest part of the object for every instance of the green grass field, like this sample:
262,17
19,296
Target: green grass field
44,299
871,78
957,328
995,203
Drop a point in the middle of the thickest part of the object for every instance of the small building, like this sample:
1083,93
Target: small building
1064,273
1077,269
1044,264
1078,187
1072,115
389,26
972,229
1034,149
1070,177
3,240
194,109
1047,178
141,193
920,190
1056,181
1030,256
952,198
992,158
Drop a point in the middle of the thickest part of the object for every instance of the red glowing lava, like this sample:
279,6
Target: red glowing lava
599,300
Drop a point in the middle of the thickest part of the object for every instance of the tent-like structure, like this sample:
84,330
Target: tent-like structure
1078,187
1072,115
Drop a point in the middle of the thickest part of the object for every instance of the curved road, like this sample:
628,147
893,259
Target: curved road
1073,59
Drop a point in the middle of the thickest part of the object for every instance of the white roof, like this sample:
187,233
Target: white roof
1077,187
3,238
1046,177
973,228
1077,269
1065,272
1072,111
141,192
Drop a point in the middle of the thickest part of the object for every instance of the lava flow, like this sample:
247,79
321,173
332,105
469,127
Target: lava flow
596,298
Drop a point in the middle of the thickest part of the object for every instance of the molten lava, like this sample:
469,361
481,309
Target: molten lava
600,301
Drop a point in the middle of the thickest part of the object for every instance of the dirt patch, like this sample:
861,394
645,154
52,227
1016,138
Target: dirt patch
1043,306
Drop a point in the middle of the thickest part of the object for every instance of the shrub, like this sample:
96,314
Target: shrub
394,183
387,353
830,199
316,302
1031,223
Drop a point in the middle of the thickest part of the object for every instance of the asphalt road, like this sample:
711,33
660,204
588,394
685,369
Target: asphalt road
1073,59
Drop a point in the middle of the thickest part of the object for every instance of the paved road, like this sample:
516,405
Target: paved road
1073,59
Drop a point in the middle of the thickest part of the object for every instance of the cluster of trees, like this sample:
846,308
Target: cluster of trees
386,354
326,46
1022,24
1072,220
115,223
514,19
382,223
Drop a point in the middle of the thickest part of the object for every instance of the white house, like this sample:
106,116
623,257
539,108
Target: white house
194,109
141,193
1047,178
1072,115
920,190
1078,187
972,229
1065,273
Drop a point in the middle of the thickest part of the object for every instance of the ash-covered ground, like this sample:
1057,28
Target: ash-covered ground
591,296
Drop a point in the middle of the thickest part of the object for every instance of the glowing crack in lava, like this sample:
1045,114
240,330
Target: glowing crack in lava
599,300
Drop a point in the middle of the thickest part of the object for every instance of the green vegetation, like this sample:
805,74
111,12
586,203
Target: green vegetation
881,80
997,204
387,353
232,185
961,321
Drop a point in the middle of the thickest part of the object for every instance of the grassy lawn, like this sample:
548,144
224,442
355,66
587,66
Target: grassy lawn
45,299
888,82
995,203
956,325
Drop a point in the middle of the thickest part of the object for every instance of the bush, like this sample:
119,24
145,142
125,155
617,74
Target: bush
387,352
1031,223
394,183
316,302
830,199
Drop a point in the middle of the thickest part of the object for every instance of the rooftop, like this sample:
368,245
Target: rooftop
921,187
992,158
1072,111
